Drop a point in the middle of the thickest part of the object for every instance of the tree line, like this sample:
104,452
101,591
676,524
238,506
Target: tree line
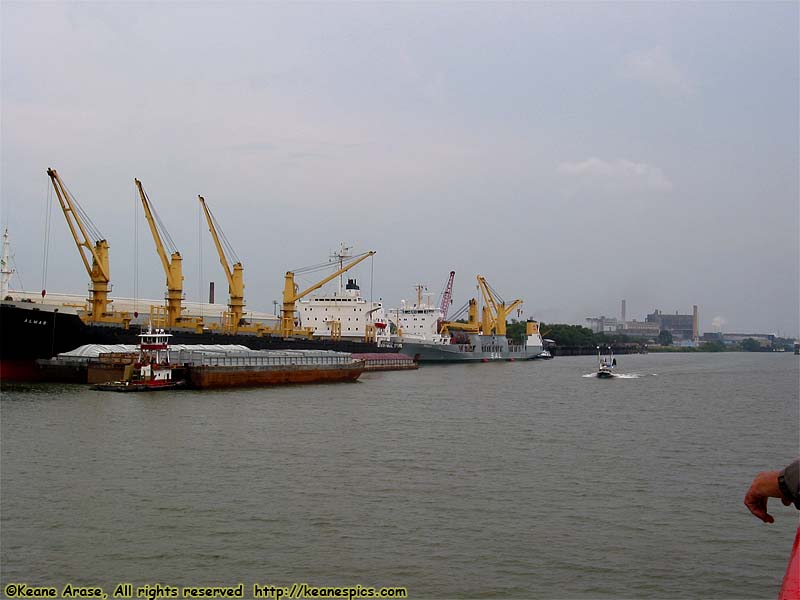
578,336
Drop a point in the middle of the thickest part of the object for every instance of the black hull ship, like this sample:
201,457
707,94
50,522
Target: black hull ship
31,331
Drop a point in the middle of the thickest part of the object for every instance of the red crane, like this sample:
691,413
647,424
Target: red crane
447,295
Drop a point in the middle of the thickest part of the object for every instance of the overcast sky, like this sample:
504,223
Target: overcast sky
572,153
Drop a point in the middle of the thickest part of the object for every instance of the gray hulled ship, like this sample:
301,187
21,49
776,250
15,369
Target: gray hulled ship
426,336
476,348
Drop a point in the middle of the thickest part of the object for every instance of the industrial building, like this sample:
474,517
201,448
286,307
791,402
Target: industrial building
640,329
682,327
603,324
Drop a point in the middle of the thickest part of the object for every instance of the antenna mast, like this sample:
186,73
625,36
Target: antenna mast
5,267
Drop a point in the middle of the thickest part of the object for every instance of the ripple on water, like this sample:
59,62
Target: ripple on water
480,481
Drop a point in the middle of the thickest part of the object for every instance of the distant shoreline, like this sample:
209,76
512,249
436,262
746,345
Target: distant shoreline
704,349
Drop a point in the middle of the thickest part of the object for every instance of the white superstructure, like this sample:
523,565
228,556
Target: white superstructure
343,312
418,322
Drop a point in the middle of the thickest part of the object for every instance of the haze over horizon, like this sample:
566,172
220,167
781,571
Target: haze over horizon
574,154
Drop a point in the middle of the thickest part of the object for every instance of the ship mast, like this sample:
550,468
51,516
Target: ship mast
5,267
340,256
420,288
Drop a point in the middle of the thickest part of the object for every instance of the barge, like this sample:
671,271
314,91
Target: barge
266,368
34,338
206,366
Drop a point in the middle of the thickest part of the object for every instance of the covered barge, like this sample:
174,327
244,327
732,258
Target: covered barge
255,369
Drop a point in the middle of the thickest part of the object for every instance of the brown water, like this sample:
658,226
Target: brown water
522,480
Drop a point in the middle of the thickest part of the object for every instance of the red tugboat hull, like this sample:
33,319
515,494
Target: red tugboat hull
127,386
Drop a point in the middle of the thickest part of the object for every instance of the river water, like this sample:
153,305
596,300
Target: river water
519,480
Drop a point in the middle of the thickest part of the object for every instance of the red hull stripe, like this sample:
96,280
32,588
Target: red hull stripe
17,370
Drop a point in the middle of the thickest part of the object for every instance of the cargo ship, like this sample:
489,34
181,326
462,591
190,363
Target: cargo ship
419,321
425,335
475,347
344,313
31,331
34,330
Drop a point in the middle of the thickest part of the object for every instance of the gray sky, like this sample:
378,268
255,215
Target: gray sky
572,153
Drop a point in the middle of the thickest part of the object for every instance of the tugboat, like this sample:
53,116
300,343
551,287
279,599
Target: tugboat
152,371
606,364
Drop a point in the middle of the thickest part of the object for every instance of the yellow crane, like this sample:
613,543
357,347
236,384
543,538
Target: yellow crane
471,326
99,269
172,268
291,296
495,310
233,272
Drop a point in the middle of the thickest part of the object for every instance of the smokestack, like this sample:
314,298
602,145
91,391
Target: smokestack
695,323
623,312
211,292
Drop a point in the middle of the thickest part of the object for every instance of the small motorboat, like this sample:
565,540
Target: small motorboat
606,364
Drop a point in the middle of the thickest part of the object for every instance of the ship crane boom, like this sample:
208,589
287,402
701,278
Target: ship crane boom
495,311
447,299
488,296
98,269
172,265
291,295
447,296
234,274
471,326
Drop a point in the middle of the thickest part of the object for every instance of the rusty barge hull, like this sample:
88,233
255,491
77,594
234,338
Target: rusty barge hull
215,377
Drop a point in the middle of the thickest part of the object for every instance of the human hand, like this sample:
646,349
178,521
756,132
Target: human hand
764,486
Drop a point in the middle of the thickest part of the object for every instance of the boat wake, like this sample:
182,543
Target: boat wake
618,375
